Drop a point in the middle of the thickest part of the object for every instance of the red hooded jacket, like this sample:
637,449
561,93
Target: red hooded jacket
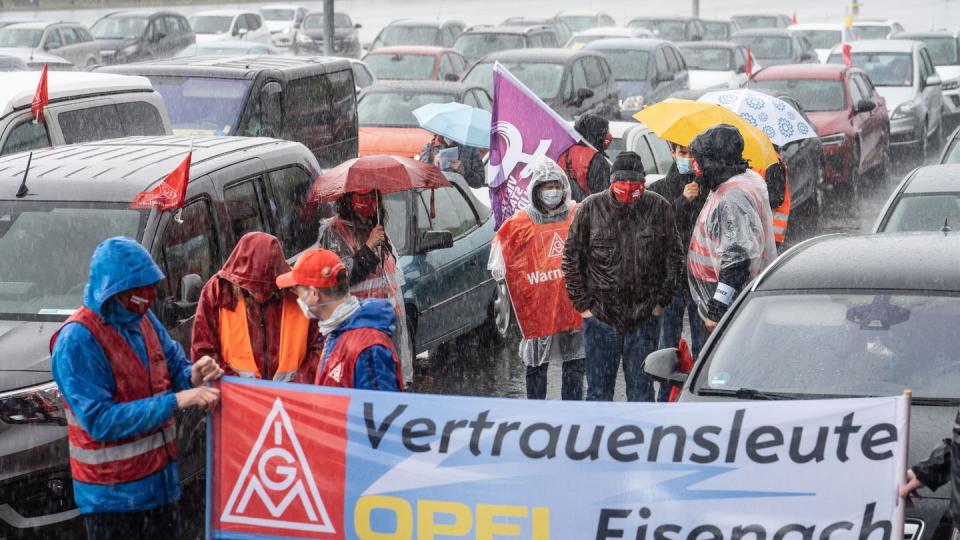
253,266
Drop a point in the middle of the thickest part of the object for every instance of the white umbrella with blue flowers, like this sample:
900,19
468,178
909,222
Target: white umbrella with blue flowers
775,117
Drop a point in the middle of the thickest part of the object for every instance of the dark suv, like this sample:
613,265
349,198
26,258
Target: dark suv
126,36
309,100
478,41
237,185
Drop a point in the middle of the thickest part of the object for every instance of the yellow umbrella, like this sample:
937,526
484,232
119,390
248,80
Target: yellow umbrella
679,121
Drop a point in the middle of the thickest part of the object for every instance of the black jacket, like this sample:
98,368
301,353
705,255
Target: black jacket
598,178
622,260
942,466
685,212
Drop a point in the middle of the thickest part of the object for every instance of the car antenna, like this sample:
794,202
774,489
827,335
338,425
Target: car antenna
946,226
23,190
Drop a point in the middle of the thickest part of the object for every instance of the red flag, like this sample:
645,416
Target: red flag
847,57
171,193
793,20
41,98
749,63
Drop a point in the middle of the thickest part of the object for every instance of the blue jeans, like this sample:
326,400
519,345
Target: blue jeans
606,346
571,388
671,329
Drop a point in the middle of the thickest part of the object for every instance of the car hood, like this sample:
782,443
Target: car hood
830,122
278,26
210,38
318,33
25,353
633,88
896,95
767,62
20,50
702,79
115,44
405,142
948,73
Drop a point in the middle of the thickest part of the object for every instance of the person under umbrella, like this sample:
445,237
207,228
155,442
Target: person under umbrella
468,162
460,131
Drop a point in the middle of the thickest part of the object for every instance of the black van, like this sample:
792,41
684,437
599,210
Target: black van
310,100
78,196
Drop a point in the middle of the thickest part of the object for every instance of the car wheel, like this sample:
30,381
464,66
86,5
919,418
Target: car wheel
883,169
502,311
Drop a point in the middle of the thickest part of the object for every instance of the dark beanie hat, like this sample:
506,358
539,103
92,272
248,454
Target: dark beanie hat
628,168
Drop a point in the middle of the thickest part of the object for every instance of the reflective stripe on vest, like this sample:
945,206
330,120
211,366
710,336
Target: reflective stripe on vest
237,351
123,451
781,218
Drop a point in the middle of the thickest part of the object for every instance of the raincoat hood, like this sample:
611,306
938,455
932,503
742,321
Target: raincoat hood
719,152
255,263
118,264
376,314
593,129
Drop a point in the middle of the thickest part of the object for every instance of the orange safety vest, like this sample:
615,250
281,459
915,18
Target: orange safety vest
236,350
576,163
781,214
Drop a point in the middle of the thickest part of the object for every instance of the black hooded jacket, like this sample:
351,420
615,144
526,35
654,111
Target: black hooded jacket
942,466
594,130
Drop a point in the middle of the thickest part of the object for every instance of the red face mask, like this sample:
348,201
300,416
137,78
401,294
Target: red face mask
138,300
607,140
364,206
626,192
697,171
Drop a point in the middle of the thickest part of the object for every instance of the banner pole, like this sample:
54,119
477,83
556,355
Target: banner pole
902,466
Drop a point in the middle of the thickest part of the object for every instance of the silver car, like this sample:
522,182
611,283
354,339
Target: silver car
70,41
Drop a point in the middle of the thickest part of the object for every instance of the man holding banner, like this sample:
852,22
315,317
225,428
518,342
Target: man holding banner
527,252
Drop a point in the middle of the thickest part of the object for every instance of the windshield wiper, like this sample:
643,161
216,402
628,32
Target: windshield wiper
747,393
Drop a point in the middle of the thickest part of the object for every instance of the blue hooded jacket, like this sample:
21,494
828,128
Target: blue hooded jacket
375,368
83,373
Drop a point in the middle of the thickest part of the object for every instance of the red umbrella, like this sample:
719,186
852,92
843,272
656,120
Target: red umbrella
388,174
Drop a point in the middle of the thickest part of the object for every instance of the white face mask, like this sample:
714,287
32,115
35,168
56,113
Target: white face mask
552,198
305,308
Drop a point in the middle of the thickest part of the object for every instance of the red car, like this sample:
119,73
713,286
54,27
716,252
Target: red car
847,112
416,63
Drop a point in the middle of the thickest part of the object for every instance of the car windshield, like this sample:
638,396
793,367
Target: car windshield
884,69
823,39
756,21
119,28
812,94
407,35
315,21
716,30
395,109
705,59
476,46
863,344
626,64
925,212
20,37
202,106
211,24
579,23
943,51
668,30
578,42
401,66
541,78
215,49
53,242
872,31
767,46
276,14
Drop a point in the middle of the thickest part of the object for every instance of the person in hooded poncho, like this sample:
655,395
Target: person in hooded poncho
585,163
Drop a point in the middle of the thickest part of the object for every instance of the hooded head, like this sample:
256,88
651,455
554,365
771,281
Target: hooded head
118,264
593,129
546,171
718,152
255,264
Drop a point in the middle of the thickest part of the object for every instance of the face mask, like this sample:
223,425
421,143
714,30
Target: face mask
697,171
684,165
365,207
552,198
305,308
627,192
138,300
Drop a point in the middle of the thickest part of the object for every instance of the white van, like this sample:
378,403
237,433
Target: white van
84,107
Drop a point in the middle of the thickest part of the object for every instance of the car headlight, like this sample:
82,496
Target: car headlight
952,84
303,38
632,103
905,110
831,140
127,51
287,30
36,405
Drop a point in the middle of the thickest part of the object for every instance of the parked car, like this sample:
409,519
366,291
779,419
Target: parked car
477,42
578,21
716,64
7,22
777,47
571,82
414,32
126,36
229,24
824,37
943,48
70,41
306,100
636,137
848,113
672,28
387,124
31,61
904,74
578,40
309,39
83,107
416,63
646,70
951,148
876,28
761,21
283,19
228,48
362,76
719,30
840,331
563,31
928,199
247,183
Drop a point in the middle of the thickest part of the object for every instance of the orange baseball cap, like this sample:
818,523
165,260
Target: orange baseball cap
315,268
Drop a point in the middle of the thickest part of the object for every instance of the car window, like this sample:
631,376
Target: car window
661,152
856,92
240,23
53,39
243,208
317,101
361,77
861,83
454,213
471,99
673,63
740,60
446,66
534,41
172,24
160,26
925,212
135,118
550,40
26,136
69,36
483,99
295,220
927,63
662,64
579,77
868,85
642,147
594,74
189,246
459,64
140,118
84,34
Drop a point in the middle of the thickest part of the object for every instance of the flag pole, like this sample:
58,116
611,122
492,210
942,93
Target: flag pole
178,217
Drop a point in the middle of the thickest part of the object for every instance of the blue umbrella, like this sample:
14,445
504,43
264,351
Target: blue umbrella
464,124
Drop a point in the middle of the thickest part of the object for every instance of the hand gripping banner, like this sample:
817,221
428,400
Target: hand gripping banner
297,461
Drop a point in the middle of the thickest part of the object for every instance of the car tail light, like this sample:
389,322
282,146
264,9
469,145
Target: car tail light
36,405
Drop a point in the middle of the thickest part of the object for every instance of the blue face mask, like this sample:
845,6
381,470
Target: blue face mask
685,165
552,197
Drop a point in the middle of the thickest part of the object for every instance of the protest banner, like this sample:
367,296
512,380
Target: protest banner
295,461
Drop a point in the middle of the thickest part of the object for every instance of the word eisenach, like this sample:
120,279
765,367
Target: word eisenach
710,443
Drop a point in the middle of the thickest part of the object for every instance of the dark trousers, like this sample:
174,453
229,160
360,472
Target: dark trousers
162,523
571,387
606,347
671,328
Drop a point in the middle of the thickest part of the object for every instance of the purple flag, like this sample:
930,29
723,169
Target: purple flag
523,128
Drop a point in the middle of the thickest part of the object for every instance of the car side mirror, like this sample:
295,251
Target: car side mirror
434,240
663,366
741,69
190,287
452,77
159,35
581,95
864,105
358,26
934,80
368,46
666,77
241,32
